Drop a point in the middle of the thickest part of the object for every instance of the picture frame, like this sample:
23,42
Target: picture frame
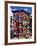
20,22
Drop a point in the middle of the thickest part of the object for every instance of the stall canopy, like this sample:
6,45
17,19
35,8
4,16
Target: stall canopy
27,10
